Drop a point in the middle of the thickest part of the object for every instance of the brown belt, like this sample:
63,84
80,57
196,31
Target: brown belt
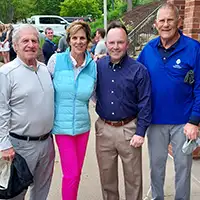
119,123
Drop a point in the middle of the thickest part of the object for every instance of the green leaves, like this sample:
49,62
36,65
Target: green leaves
80,8
17,10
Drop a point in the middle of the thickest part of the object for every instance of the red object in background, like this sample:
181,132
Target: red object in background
196,153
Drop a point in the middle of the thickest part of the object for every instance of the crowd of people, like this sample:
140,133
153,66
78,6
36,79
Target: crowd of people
6,49
158,94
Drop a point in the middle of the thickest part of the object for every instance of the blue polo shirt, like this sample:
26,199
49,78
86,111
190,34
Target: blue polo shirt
174,101
165,53
124,91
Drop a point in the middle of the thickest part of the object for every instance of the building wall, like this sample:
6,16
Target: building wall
190,13
191,25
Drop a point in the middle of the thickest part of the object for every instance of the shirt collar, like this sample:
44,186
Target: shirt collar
27,66
50,41
117,65
170,48
75,63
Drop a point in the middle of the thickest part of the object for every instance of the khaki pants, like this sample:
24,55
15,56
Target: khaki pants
113,141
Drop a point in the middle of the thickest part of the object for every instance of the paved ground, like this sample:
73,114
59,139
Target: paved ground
90,185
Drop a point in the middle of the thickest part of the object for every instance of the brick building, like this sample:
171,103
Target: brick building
190,13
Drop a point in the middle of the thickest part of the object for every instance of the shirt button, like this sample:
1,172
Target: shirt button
112,103
113,113
164,58
112,92
114,70
113,81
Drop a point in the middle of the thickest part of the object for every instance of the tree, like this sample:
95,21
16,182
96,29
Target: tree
80,8
22,9
16,10
6,12
47,7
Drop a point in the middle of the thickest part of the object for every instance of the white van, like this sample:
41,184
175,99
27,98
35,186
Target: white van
55,22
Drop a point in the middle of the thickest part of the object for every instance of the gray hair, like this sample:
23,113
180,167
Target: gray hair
17,31
169,6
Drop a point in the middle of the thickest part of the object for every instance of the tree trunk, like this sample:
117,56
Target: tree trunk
129,5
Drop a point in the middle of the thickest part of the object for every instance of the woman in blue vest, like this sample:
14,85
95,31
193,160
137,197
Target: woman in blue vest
74,77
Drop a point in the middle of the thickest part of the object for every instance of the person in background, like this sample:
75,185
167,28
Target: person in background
100,49
49,47
62,45
74,76
173,61
93,45
11,52
4,44
27,111
123,103
1,32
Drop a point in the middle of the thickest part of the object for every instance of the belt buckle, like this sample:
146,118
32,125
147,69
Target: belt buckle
40,138
112,124
122,123
28,138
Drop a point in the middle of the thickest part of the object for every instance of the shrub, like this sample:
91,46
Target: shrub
55,40
120,8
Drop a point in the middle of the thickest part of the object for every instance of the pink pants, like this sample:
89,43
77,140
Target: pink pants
72,152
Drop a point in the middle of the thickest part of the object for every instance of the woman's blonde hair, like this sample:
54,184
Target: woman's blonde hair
75,26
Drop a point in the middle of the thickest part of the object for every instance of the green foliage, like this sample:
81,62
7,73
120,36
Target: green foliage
110,3
22,9
16,10
80,8
129,28
120,8
47,7
135,2
6,11
97,24
41,42
142,2
55,40
118,11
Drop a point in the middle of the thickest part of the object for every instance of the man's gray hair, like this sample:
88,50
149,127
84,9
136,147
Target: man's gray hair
17,31
170,6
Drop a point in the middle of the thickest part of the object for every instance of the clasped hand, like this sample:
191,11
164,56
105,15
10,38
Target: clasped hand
137,141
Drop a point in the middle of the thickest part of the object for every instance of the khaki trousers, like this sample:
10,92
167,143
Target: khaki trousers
113,141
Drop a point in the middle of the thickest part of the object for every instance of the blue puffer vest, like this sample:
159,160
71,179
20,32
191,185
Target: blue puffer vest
72,96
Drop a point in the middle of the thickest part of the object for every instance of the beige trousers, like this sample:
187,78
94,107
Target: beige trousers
112,142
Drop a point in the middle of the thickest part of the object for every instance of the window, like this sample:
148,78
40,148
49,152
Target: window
55,20
45,20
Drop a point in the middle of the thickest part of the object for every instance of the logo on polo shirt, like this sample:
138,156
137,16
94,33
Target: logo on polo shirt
177,66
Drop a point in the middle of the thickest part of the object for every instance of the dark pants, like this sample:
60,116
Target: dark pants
12,54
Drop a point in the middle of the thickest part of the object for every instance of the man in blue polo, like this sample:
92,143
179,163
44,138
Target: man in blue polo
173,61
124,108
